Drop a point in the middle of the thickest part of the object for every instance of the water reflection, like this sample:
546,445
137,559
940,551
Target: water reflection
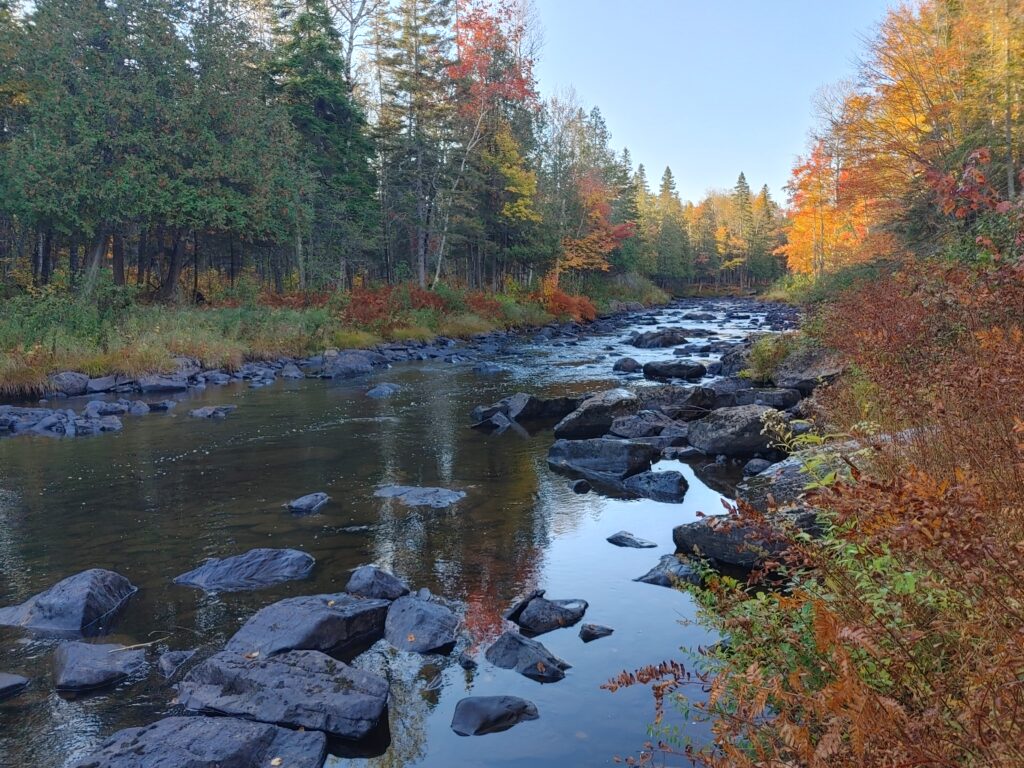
156,499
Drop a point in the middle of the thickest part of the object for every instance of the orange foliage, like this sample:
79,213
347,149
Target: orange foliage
597,236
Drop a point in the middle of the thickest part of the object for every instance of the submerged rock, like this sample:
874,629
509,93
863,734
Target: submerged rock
308,504
413,496
527,657
11,685
329,623
371,581
422,626
172,661
212,412
205,742
627,539
383,391
256,569
595,415
85,666
86,604
297,689
479,715
670,572
591,632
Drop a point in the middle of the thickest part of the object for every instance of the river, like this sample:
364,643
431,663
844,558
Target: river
154,500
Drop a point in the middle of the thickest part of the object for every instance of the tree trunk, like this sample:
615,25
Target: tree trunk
73,258
169,287
142,256
118,263
94,260
300,260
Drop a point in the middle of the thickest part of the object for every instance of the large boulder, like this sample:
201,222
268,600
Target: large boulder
371,581
642,424
81,666
256,569
527,657
595,415
674,369
666,337
735,431
678,402
805,369
86,604
413,496
70,383
601,460
205,742
522,407
626,365
537,615
422,626
777,398
670,572
329,623
726,541
478,715
11,685
350,363
669,486
297,689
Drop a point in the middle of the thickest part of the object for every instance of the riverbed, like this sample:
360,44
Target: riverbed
157,498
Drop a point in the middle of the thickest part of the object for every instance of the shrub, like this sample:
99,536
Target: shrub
766,354
353,339
411,333
464,325
566,307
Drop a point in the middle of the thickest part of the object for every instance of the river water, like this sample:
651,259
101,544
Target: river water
168,491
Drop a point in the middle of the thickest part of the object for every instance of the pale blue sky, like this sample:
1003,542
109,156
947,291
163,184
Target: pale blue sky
709,88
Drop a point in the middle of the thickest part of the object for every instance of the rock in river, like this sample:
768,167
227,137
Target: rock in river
423,626
11,685
600,460
669,486
731,431
591,632
371,581
204,742
255,569
527,657
674,369
627,539
86,604
297,689
595,415
85,666
727,542
537,615
478,715
383,391
308,504
626,365
172,661
329,623
413,496
670,572
70,383
212,412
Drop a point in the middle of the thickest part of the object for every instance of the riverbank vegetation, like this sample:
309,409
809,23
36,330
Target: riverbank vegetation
895,635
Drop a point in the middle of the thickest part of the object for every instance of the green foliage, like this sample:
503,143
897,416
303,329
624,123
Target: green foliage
766,354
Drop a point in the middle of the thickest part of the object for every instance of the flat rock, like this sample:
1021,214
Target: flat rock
642,424
735,431
680,403
308,504
413,496
627,539
208,742
595,415
674,369
479,715
537,615
171,662
297,689
527,657
256,569
422,626
591,632
601,460
371,581
154,384
86,604
11,685
670,572
332,623
212,412
805,369
668,486
82,666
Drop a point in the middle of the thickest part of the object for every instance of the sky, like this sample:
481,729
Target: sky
707,87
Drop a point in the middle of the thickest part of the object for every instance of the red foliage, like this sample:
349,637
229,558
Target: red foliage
486,306
563,305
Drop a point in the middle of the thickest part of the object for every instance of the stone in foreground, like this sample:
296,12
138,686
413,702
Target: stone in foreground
479,715
733,431
595,415
86,604
422,626
297,689
256,569
329,623
371,581
670,572
208,742
87,666
527,657
627,539
11,685
538,615
308,504
591,632
412,496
